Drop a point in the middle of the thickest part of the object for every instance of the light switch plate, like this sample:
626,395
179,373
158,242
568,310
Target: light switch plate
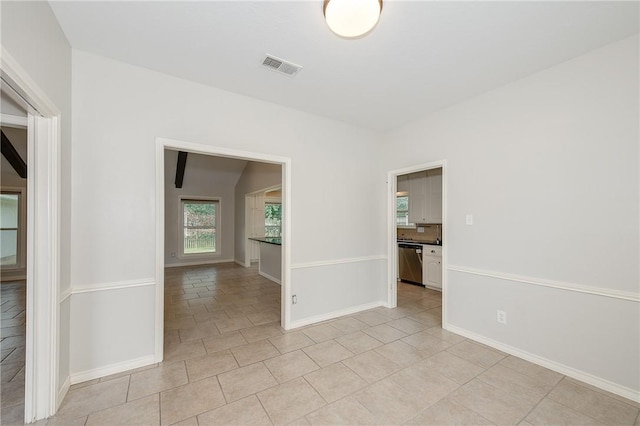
469,219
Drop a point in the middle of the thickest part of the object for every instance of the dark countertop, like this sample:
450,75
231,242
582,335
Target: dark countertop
269,240
429,243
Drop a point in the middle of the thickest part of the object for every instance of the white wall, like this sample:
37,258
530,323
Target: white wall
205,176
119,110
255,177
32,36
549,168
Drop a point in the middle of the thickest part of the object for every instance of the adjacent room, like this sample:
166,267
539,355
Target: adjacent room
320,212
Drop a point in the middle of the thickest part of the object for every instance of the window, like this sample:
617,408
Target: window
272,220
200,219
402,210
9,231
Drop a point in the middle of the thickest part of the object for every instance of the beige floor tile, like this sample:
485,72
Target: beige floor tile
327,353
14,415
291,341
81,402
178,323
254,352
347,411
476,353
210,365
183,351
430,318
76,385
390,403
128,372
190,400
335,381
12,393
602,391
349,325
358,342
266,317
289,401
191,421
527,387
206,316
426,382
452,367
447,412
290,366
491,403
66,421
322,333
549,412
407,325
164,377
247,411
371,318
544,375
144,411
445,335
384,333
372,366
245,381
233,324
224,342
261,332
427,343
400,352
202,329
593,404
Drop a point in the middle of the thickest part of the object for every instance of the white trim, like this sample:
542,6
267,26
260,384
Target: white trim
13,121
551,365
64,389
239,263
269,277
392,231
336,314
338,261
218,227
64,295
598,291
199,262
43,242
108,370
114,286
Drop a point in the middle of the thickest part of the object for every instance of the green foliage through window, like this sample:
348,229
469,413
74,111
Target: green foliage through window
402,210
199,223
272,220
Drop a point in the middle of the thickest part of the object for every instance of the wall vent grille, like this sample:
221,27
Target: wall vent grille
272,63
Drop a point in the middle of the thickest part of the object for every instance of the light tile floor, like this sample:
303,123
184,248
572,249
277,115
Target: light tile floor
227,362
12,344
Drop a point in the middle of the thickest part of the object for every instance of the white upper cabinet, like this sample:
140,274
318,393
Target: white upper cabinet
425,196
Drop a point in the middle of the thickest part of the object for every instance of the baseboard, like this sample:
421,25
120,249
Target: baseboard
197,262
335,314
242,263
63,391
120,367
583,376
269,277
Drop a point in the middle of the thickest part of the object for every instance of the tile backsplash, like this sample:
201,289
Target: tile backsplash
431,232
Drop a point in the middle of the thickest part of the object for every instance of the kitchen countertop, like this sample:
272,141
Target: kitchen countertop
429,243
269,240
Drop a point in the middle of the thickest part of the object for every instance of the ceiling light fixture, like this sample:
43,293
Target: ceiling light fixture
352,18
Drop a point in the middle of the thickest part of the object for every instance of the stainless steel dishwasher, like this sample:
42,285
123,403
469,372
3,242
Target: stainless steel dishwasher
410,263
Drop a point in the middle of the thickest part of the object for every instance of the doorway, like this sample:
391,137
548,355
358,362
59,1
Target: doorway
285,164
432,232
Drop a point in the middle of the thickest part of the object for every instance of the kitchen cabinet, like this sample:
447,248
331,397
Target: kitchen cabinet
425,196
432,267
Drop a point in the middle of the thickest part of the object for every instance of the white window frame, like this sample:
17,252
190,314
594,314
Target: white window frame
218,201
22,220
272,201
408,224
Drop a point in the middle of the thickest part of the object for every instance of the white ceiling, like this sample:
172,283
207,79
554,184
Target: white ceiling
422,56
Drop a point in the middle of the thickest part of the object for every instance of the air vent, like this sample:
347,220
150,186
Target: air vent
280,65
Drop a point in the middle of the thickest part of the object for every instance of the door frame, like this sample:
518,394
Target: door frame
392,232
42,343
205,149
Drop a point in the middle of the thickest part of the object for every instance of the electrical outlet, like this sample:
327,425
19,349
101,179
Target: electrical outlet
173,254
469,219
294,299
502,317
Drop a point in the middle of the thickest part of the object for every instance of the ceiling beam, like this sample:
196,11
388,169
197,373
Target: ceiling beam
182,164
12,156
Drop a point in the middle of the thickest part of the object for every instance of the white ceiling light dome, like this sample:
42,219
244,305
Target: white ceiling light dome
352,18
